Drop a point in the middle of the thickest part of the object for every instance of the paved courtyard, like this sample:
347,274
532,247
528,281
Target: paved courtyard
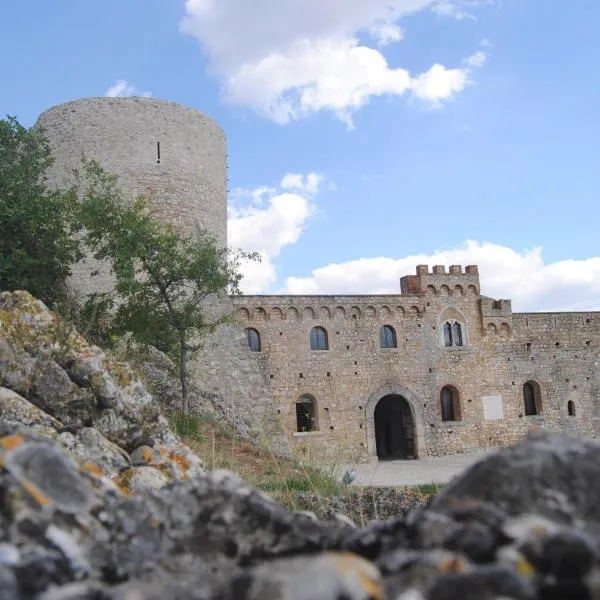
412,472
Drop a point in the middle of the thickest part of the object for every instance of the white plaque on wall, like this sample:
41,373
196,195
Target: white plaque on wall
492,407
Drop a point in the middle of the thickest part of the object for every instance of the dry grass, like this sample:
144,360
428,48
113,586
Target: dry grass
293,484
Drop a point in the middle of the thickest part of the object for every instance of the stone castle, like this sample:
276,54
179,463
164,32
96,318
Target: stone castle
436,369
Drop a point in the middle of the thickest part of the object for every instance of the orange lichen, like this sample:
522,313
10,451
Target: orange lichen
122,481
373,589
348,563
36,493
11,442
182,461
147,454
92,469
453,565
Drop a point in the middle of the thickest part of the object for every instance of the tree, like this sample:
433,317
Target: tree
164,278
37,244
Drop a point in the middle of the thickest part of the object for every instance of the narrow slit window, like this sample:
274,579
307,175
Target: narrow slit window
158,152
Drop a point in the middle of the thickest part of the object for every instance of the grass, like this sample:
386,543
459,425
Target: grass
282,478
294,484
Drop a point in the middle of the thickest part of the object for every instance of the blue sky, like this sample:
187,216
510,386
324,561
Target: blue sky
488,157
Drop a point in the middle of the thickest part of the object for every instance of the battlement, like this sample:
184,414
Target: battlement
441,282
496,308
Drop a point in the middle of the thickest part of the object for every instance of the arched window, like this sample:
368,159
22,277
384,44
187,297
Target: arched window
318,339
253,338
306,414
571,408
532,398
453,334
450,403
387,337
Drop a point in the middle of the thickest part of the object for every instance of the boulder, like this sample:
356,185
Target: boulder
93,405
69,532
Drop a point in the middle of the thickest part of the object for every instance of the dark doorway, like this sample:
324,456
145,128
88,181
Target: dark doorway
394,429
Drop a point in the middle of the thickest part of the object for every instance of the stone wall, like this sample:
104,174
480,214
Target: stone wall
236,377
176,157
501,352
172,154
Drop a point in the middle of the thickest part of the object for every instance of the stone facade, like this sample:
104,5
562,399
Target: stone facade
460,371
171,154
504,356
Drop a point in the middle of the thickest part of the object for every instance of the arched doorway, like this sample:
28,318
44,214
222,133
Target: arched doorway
394,428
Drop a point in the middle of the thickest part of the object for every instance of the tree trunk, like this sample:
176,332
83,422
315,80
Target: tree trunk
183,375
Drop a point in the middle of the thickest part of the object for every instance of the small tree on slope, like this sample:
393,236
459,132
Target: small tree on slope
163,277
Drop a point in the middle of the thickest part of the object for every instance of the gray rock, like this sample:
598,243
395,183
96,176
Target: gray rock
49,477
90,446
328,575
141,455
19,411
550,474
145,479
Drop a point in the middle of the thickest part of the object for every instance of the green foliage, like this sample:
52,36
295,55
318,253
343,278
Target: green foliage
163,277
306,480
37,245
185,425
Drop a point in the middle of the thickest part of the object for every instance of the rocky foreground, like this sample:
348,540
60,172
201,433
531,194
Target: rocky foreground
99,500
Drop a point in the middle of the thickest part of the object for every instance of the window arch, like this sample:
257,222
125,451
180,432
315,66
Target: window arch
571,408
387,337
306,414
253,338
532,398
450,403
318,339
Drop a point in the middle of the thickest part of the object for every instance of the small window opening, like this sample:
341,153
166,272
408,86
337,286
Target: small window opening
158,152
387,337
450,404
571,408
531,398
305,414
318,339
253,338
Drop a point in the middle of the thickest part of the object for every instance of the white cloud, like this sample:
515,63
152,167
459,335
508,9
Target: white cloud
460,9
308,184
476,60
439,83
287,59
266,220
123,88
523,276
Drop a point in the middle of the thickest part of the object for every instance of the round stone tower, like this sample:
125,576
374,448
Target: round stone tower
173,155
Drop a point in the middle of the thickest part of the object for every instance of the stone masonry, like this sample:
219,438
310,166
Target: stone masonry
173,155
556,355
460,372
